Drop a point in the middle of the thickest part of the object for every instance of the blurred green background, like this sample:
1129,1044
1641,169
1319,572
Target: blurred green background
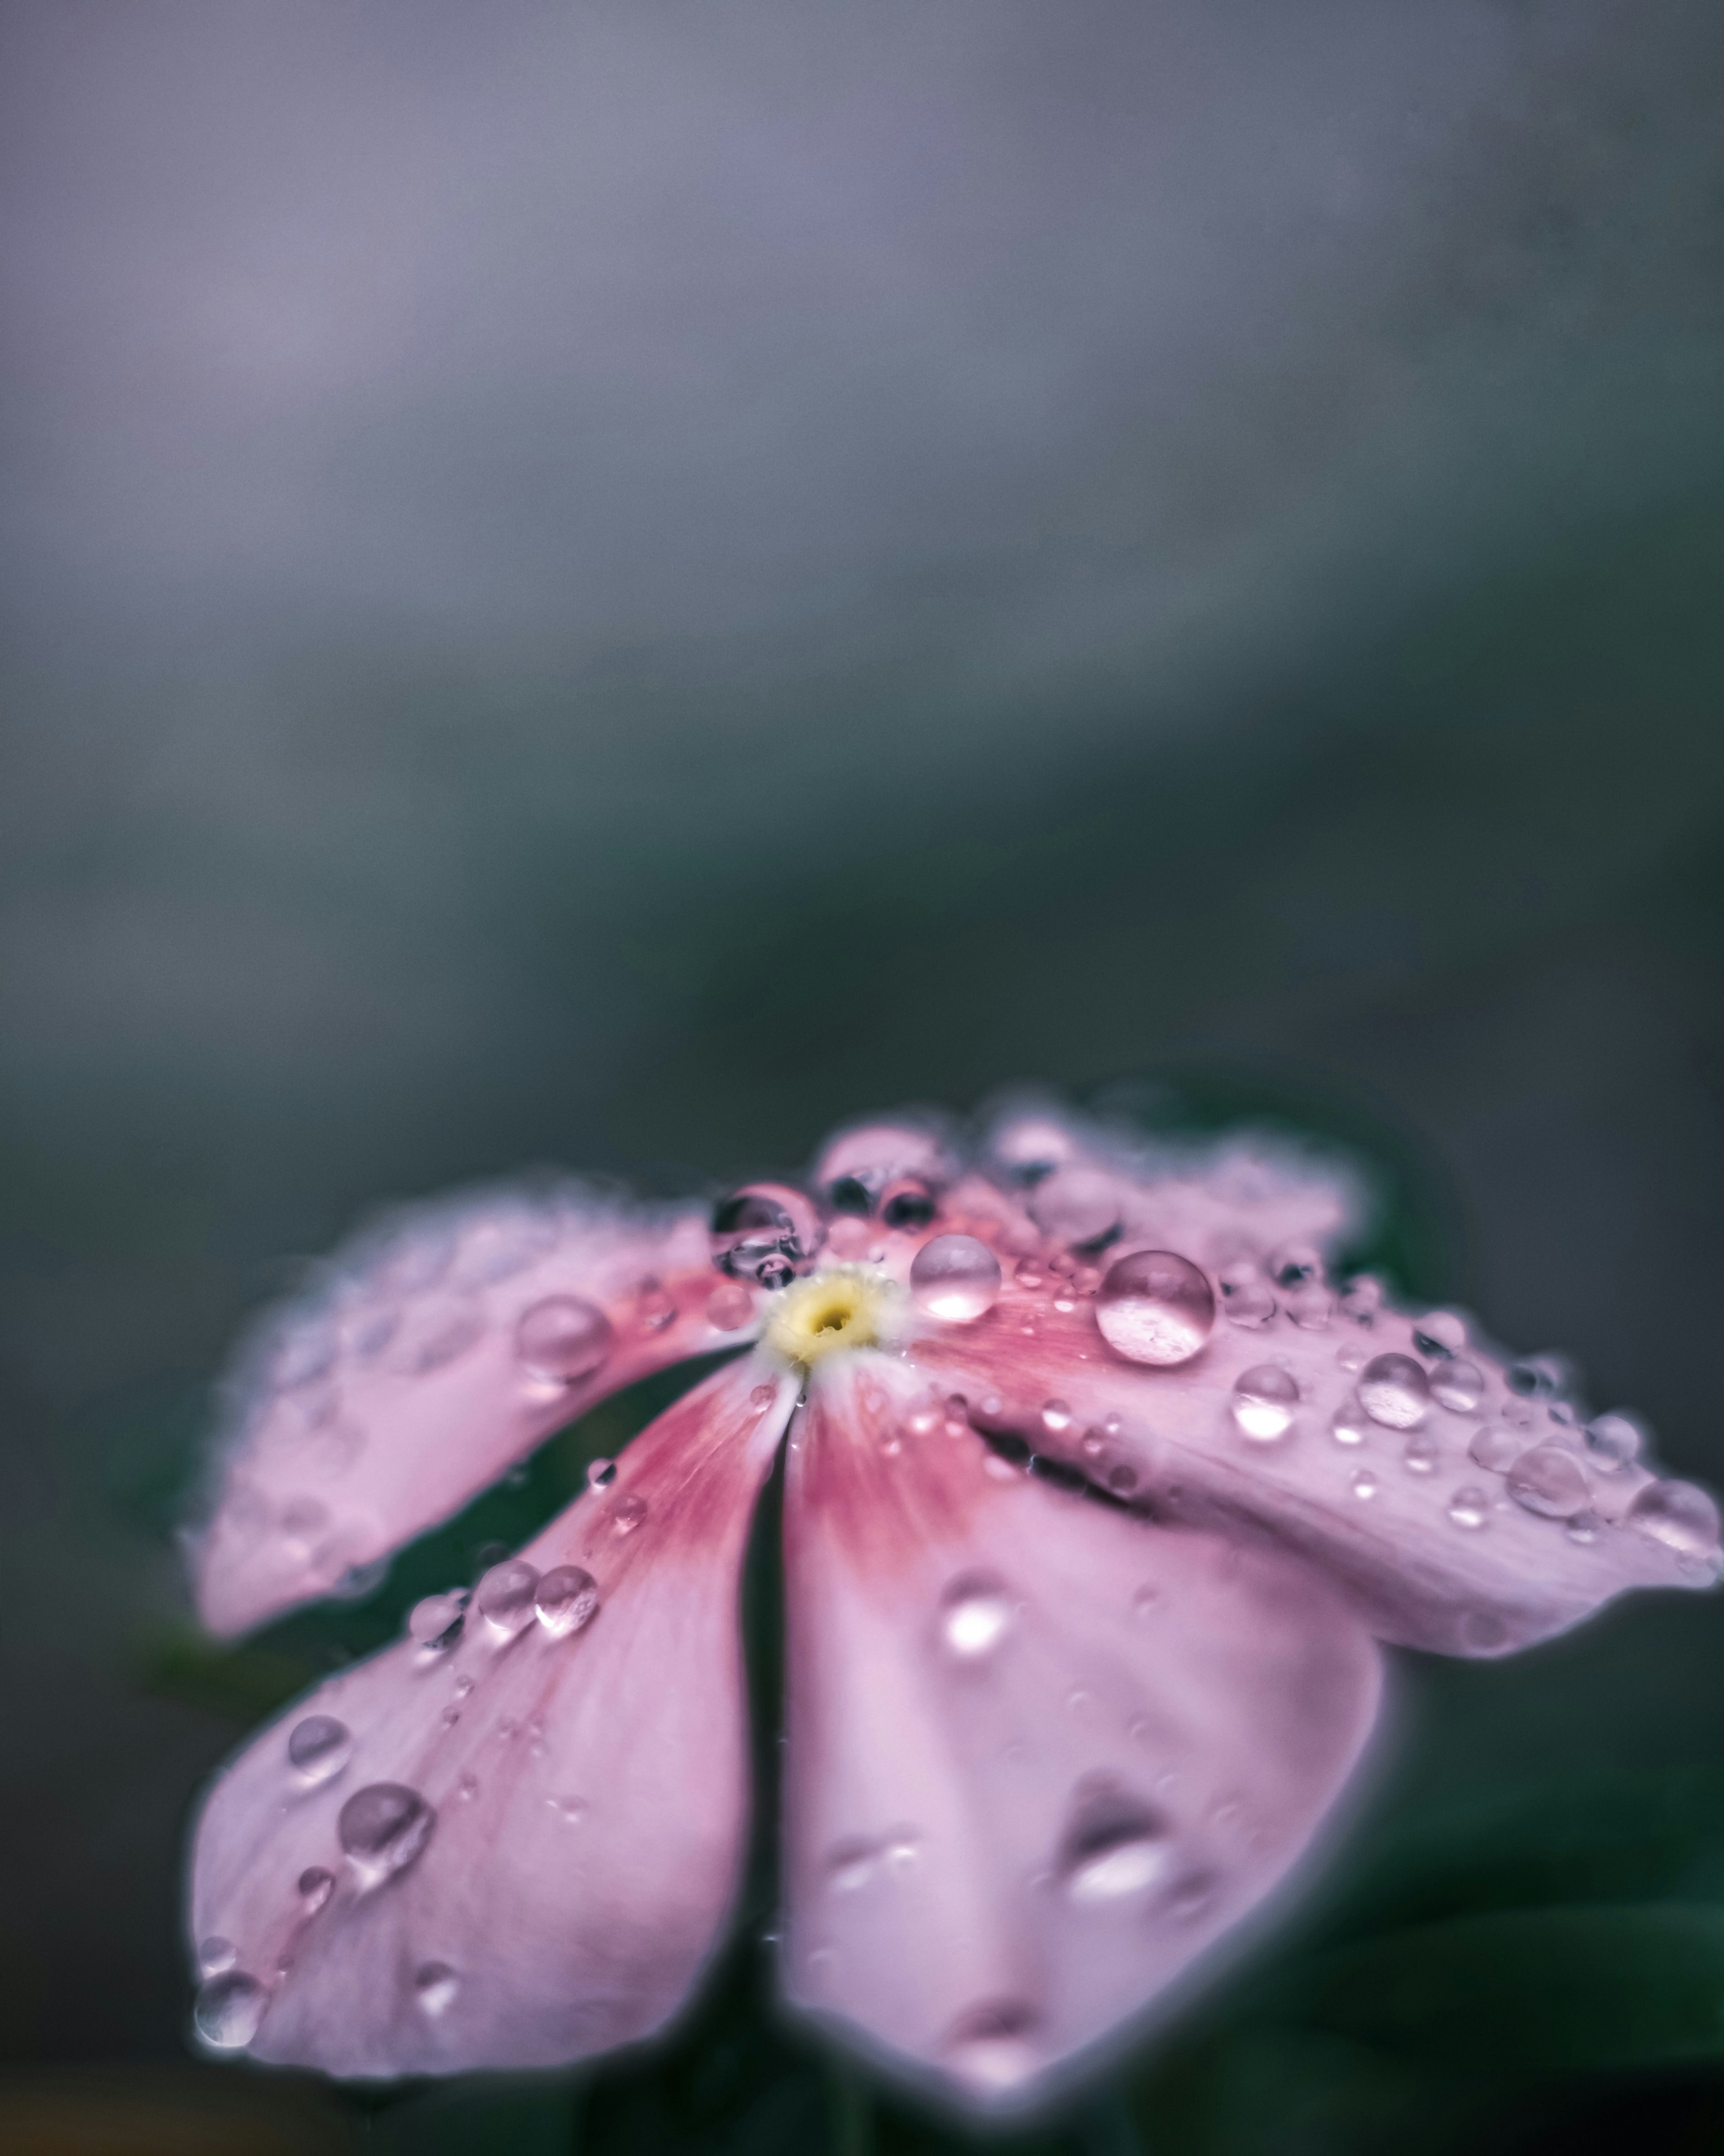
613,585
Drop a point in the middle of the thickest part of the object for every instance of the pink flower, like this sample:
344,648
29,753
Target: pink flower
1098,1499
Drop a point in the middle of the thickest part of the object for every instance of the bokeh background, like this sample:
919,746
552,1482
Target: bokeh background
614,583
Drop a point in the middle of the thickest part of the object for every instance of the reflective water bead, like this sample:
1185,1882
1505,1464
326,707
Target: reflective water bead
1539,1377
435,1986
1350,1424
1394,1391
1079,1205
1155,1306
1264,1402
976,1614
1613,1441
1584,1528
382,1829
654,1309
315,1885
1364,1483
1246,1299
565,1599
627,1514
228,2010
1439,1332
1309,1307
765,1233
1362,1299
1549,1481
436,1619
1495,1448
761,1398
1056,1417
503,1597
1115,1848
955,1279
216,1954
1420,1454
563,1339
1295,1264
907,1204
729,1307
1458,1385
1677,1514
601,1474
1469,1507
318,1747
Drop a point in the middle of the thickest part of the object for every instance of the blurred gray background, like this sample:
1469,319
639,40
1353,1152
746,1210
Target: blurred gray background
612,583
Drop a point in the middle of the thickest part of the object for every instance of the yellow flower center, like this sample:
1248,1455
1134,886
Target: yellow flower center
843,1306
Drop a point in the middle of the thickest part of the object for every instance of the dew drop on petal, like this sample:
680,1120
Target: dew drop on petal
565,1599
1055,1417
1246,1299
1362,1299
1441,1332
955,1279
503,1597
1364,1483
315,1885
1495,1448
765,1233
1549,1481
761,1398
382,1829
1077,1205
563,1339
1264,1402
907,1204
975,1615
436,1619
654,1309
730,1308
1420,1454
1350,1424
1584,1528
435,1987
1613,1441
851,1865
229,2010
1458,1385
1678,1514
1394,1391
627,1514
1115,1848
318,1747
216,1954
1469,1507
1155,1306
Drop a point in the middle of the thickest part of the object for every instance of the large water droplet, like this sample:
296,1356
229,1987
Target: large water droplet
229,2010
1394,1391
1549,1481
1264,1401
435,1987
1056,1417
1350,1424
1155,1306
563,1339
314,1887
319,1747
1441,1332
566,1600
503,1597
1458,1385
1678,1515
627,1513
955,1279
1469,1507
382,1829
1116,1847
1613,1441
1495,1448
436,1620
765,1233
1245,1298
975,1615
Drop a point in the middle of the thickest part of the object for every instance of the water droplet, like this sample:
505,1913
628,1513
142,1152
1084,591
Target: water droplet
1310,1308
503,1597
1295,1264
1539,1377
1678,1515
1364,1483
601,1474
1078,1205
464,1685
1155,1306
1519,1414
319,1747
216,1954
976,1614
765,1233
383,1828
907,1204
563,1339
654,1309
1469,1507
467,1787
730,1308
1056,1418
761,1398
1264,1401
1350,1422
1351,1356
1549,1481
1458,1385
627,1513
1092,1444
1584,1528
1420,1454
1115,1848
1439,1333
955,1279
565,1600
1362,1299
437,1620
1613,1441
432,1335
850,1865
315,1885
1245,1298
991,2045
1394,1391
1495,1448
229,2010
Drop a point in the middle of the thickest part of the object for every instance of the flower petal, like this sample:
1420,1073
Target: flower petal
518,1848
435,1353
1460,1513
1042,1753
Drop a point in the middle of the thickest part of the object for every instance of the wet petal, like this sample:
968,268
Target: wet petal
1456,1498
1042,1754
516,1849
437,1351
